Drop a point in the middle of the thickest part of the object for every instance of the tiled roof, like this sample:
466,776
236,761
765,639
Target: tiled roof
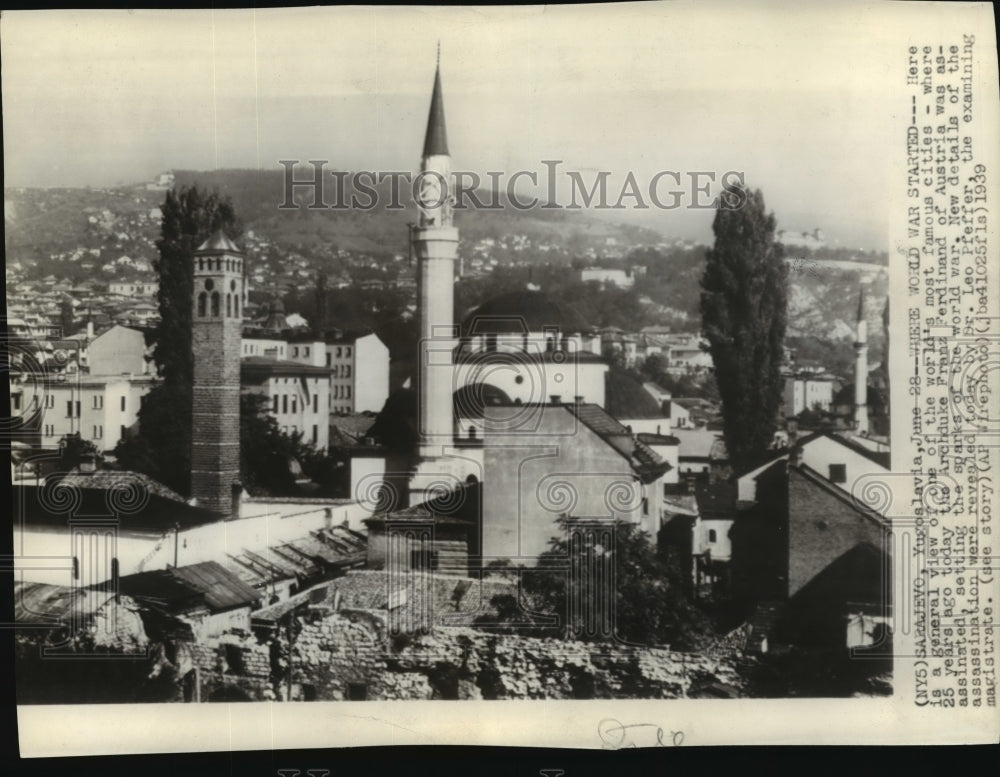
625,397
105,479
41,603
445,599
462,506
644,460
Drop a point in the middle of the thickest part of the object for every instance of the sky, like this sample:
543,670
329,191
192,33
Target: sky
796,97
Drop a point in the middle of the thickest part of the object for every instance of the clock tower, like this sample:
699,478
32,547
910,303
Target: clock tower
216,331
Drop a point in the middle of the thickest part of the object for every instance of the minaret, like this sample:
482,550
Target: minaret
861,370
434,241
216,330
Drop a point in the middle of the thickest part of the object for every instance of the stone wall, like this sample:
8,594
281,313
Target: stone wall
341,657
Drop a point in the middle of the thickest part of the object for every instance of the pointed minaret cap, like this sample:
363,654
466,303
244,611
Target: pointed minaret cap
436,140
219,242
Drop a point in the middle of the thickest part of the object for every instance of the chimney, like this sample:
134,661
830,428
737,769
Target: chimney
578,399
555,399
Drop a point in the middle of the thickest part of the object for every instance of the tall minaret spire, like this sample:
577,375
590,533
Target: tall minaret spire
434,243
861,369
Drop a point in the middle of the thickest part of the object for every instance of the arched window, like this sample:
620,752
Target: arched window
202,301
201,263
229,306
712,536
215,304
236,305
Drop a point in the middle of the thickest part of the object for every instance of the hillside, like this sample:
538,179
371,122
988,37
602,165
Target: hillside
82,234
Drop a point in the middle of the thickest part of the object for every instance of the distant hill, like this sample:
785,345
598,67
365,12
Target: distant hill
72,233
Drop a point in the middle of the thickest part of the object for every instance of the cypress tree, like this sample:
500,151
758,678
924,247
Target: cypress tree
743,316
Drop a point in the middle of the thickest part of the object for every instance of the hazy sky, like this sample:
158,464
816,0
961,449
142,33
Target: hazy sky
797,97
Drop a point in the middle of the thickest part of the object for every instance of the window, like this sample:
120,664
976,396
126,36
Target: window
307,350
315,403
712,536
347,351
284,403
215,304
236,305
275,404
645,505
838,473
348,392
76,568
69,408
50,401
98,402
123,404
315,434
15,402
295,351
340,352
202,301
124,432
229,306
347,370
424,559
50,430
98,432
329,359
295,404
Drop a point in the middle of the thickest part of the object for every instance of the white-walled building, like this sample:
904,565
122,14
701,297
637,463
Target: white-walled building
298,395
121,350
100,408
360,373
533,350
805,392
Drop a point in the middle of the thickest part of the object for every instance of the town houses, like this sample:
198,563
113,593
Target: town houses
520,424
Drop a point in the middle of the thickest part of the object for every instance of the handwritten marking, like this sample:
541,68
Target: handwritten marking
616,735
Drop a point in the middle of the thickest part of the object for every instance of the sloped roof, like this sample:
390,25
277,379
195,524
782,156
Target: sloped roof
44,604
459,506
644,460
180,589
218,242
625,397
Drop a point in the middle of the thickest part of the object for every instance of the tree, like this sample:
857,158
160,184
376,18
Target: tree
73,449
650,604
162,448
67,321
743,310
